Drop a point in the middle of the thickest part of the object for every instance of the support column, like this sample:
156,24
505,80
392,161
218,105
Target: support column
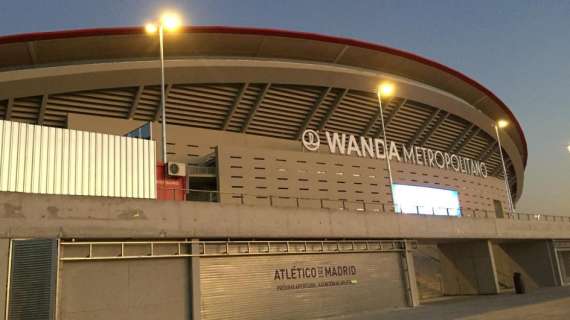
195,280
413,292
560,272
4,261
468,268
554,263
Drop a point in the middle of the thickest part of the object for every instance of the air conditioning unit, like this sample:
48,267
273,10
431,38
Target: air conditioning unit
176,169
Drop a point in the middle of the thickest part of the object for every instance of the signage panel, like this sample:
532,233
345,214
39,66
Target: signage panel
366,147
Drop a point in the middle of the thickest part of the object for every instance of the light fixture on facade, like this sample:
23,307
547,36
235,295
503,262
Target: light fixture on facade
385,89
151,28
502,124
170,22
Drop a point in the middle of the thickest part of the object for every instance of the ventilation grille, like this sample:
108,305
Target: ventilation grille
33,279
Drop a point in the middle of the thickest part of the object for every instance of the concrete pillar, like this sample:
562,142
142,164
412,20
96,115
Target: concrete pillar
4,260
194,276
412,284
562,262
468,268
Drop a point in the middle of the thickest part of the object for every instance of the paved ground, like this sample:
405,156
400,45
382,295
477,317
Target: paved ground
541,304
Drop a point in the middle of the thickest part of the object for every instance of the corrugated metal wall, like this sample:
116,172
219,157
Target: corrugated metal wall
247,288
33,279
47,160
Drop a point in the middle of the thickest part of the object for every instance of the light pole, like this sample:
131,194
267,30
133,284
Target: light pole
385,90
500,125
171,22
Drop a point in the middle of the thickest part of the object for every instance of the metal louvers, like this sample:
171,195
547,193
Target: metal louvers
47,160
32,279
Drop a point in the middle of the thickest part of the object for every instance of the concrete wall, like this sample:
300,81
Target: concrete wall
25,215
126,290
427,263
4,255
468,268
533,259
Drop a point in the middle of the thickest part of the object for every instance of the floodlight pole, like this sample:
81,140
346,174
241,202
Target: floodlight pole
386,150
162,94
504,170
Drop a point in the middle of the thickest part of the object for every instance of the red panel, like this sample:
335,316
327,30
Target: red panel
171,188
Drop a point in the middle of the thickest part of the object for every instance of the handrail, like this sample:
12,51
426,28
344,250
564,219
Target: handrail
343,205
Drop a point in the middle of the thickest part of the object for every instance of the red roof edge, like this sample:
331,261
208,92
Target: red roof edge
277,33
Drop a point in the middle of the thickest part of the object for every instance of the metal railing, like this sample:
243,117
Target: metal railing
343,205
200,170
110,250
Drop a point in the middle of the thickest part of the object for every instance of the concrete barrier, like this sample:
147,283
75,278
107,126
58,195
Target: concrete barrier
26,215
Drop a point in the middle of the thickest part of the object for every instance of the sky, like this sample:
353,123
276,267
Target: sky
519,49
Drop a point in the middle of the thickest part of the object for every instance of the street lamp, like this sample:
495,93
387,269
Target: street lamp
568,148
385,89
170,22
500,125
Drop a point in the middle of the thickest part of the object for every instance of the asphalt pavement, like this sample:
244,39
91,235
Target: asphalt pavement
540,304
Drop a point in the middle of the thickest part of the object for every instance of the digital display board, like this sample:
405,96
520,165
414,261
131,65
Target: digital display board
425,200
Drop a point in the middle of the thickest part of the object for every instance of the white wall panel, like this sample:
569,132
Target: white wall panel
38,159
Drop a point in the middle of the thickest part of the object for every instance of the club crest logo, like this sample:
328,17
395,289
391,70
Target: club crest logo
311,140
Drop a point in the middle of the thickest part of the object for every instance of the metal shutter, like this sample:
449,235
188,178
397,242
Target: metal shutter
245,287
33,279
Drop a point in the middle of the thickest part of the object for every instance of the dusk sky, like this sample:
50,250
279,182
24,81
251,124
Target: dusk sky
518,49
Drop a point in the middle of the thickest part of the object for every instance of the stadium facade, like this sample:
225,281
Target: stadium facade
281,197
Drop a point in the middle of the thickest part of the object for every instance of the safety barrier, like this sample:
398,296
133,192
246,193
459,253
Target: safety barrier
347,205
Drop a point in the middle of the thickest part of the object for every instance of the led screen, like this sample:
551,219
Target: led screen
425,200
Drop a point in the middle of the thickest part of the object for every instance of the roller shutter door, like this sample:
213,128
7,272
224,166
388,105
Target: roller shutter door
301,286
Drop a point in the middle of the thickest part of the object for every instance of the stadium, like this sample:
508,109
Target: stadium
290,183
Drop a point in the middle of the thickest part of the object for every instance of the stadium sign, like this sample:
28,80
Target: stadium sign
374,148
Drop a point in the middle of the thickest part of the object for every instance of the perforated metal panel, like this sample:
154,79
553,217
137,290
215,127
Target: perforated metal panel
255,287
33,279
